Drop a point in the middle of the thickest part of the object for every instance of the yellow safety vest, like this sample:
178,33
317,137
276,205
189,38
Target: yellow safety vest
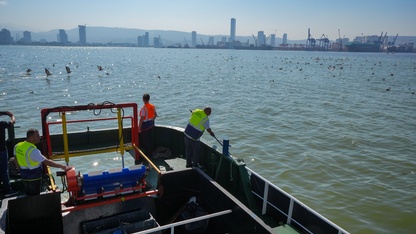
23,151
29,170
195,127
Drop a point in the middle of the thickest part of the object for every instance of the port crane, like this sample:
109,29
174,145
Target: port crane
340,40
268,37
255,40
310,42
323,42
186,43
394,40
383,42
381,38
390,45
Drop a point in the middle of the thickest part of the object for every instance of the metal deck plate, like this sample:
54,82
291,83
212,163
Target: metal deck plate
177,163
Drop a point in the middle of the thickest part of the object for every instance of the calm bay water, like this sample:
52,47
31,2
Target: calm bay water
320,125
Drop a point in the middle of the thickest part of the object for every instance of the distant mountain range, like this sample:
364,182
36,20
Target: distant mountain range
129,35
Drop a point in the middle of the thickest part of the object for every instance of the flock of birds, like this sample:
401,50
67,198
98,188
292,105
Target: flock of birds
339,66
67,68
68,71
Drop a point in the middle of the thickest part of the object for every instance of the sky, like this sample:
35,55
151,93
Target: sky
324,18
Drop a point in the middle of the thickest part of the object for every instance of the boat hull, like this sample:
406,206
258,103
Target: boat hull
46,214
231,197
364,47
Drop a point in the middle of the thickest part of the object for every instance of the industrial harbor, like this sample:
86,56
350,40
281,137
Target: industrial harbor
261,41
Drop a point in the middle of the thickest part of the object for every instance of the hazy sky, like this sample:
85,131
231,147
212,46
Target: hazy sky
212,17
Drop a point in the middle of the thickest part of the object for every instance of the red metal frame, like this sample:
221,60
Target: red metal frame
47,148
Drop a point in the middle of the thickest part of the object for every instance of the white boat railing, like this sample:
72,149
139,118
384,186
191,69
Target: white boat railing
176,224
293,201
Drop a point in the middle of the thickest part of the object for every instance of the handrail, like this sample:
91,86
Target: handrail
76,153
65,134
291,207
89,120
66,154
62,111
147,159
173,225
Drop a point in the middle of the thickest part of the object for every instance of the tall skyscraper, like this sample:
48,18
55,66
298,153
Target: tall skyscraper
261,38
157,42
193,43
82,34
232,31
27,36
139,41
273,40
62,37
5,37
146,39
284,39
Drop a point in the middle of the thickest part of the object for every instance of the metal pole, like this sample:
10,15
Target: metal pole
120,132
65,137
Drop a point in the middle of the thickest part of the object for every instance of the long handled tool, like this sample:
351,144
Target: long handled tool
218,140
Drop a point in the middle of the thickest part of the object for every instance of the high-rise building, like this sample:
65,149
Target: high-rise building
273,40
5,37
261,38
146,40
284,39
140,41
27,37
193,39
62,37
82,29
157,42
232,31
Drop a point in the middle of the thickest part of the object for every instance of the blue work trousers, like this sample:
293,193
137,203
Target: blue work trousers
192,152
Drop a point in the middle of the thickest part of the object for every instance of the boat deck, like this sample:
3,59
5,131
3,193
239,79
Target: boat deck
233,198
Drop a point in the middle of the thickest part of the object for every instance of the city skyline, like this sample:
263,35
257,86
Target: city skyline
352,18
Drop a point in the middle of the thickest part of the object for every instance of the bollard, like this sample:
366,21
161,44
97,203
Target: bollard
225,146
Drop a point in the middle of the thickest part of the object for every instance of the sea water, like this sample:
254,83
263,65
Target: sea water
335,129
